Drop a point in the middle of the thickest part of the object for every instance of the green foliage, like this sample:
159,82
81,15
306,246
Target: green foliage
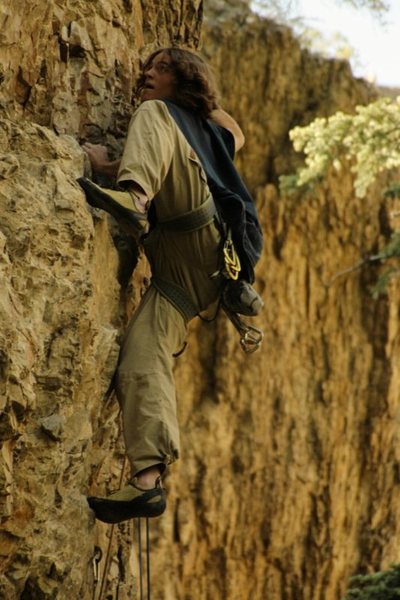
275,9
391,250
369,140
373,5
383,281
283,7
288,12
384,585
393,191
289,184
334,45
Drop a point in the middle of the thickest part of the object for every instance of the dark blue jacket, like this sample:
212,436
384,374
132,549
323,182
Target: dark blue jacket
215,148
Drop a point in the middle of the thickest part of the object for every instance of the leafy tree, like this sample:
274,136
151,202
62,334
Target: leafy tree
369,140
282,8
374,5
384,585
337,45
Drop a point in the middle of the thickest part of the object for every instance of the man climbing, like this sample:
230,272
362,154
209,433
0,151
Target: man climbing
176,172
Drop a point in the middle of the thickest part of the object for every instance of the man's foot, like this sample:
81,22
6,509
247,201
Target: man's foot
130,502
119,204
240,297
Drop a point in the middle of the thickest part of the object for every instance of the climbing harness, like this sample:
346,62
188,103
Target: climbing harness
238,296
192,220
177,296
250,336
140,558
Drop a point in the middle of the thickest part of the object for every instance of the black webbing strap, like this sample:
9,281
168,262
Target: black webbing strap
193,220
177,296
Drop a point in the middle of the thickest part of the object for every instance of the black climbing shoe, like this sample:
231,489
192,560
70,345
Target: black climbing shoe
130,502
240,297
119,204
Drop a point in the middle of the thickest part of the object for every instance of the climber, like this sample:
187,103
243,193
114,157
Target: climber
176,164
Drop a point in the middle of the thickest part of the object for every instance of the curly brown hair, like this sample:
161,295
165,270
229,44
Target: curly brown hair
195,85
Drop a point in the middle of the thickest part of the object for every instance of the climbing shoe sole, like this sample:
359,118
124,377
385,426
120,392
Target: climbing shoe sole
151,503
98,198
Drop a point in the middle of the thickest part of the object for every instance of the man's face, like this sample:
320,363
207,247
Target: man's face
160,79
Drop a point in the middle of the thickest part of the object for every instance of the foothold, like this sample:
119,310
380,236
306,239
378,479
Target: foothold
9,164
64,50
53,426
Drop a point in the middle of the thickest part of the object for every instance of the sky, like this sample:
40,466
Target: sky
376,46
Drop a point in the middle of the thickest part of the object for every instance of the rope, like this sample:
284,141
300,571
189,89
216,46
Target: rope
140,557
148,556
108,554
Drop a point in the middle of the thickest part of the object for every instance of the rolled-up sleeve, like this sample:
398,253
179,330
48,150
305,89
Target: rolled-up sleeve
148,148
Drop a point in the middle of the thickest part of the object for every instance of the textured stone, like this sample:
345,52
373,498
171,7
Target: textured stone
53,426
52,360
289,478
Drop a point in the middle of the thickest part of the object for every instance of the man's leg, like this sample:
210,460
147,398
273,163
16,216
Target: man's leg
146,392
145,385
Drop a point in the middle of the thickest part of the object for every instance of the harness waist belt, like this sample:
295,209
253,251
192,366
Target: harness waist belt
177,296
194,219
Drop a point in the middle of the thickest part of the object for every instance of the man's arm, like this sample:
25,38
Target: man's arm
98,157
220,117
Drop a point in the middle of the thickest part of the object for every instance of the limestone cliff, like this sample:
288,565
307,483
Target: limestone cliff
289,475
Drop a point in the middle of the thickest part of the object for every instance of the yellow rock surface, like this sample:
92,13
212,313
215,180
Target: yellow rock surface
289,478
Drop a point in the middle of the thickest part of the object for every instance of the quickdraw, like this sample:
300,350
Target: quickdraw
250,337
231,260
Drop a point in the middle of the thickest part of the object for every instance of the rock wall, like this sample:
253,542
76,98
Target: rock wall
273,85
67,74
289,478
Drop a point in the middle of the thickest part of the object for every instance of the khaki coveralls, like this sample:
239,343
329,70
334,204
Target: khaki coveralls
158,158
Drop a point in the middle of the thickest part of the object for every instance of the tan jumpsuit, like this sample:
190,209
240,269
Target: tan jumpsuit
158,158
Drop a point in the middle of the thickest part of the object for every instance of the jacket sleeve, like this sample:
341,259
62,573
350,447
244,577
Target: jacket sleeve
148,148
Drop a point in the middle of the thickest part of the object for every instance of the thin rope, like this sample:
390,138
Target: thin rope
148,556
140,558
107,561
106,564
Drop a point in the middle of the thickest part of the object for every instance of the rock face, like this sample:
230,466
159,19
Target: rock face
289,478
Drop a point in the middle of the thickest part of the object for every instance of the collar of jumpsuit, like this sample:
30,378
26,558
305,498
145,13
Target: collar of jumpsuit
160,79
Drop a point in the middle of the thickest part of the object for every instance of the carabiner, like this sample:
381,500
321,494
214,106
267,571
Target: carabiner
231,260
250,337
251,340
